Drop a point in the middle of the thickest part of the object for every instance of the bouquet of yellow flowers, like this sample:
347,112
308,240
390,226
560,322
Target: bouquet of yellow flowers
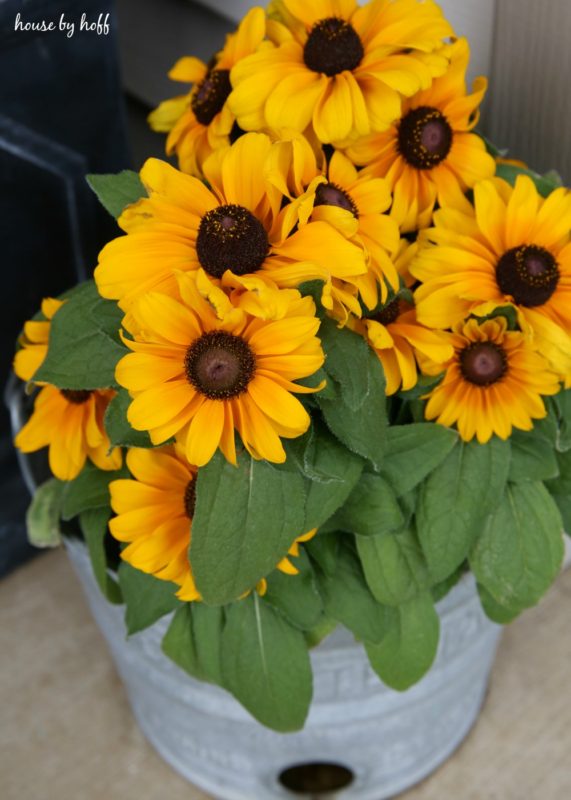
326,370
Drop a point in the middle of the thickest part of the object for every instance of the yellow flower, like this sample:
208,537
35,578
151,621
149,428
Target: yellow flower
200,121
154,516
70,423
351,202
429,155
207,364
513,248
238,225
396,337
494,382
337,67
34,341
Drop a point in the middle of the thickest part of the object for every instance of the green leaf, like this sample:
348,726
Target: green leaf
441,589
409,647
93,524
563,405
363,432
89,490
320,632
533,458
357,415
347,599
545,183
371,508
502,615
520,551
265,664
324,550
562,484
246,519
563,502
194,639
413,451
347,361
84,346
331,472
296,596
394,566
43,514
147,598
115,192
120,432
455,501
423,386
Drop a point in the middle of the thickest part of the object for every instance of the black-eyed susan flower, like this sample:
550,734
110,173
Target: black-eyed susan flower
337,67
208,363
494,382
154,518
397,338
354,204
238,224
429,154
513,248
34,341
70,423
200,121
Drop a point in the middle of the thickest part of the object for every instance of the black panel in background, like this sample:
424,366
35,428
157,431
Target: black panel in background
62,116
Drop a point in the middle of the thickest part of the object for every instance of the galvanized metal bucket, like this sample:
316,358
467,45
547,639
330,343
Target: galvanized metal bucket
379,741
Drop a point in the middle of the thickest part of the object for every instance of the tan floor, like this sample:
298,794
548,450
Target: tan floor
66,732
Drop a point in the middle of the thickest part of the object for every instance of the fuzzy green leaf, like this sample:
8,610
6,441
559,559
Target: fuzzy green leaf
193,641
347,599
43,514
116,192
89,490
331,471
533,458
520,551
93,524
147,598
84,345
120,432
409,647
358,413
413,451
502,615
455,501
394,566
246,519
296,596
265,664
371,509
347,361
324,550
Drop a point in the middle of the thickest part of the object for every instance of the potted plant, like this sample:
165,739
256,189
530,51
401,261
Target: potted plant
314,405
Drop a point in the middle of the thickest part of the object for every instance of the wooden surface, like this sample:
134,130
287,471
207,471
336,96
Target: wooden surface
66,732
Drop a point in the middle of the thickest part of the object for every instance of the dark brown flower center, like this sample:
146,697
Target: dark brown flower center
389,313
210,95
190,498
483,363
230,237
333,46
424,137
220,365
529,274
76,396
329,194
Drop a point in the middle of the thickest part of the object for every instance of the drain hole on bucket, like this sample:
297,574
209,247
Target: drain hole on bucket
316,779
